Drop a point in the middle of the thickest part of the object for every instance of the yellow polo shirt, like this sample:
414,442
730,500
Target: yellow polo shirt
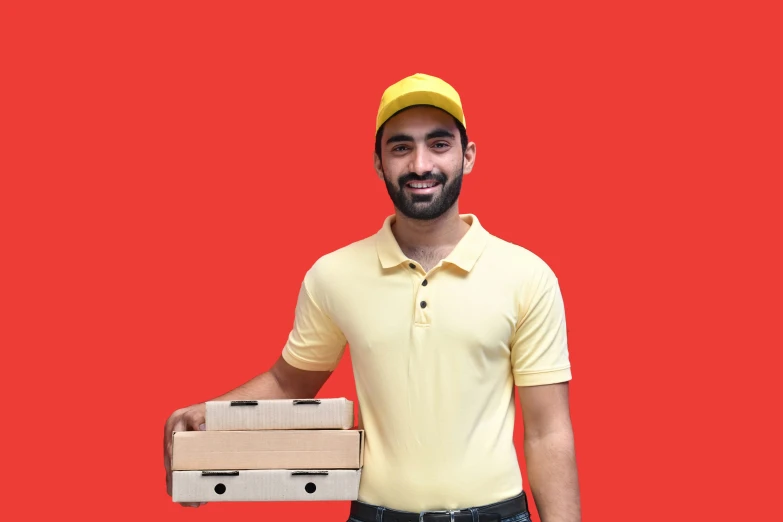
435,358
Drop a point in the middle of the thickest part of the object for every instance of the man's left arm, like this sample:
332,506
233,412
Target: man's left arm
542,370
549,451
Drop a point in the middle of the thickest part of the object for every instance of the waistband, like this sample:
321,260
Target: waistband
487,513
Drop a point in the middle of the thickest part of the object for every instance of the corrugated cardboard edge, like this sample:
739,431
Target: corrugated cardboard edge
361,448
348,419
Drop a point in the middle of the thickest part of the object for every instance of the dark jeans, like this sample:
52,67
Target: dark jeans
519,517
522,517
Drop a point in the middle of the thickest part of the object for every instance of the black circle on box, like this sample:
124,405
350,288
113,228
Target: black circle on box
310,487
220,489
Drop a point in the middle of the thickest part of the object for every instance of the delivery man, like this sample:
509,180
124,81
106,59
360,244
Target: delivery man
445,321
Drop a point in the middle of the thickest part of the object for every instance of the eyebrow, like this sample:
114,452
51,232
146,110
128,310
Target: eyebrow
440,133
437,133
398,138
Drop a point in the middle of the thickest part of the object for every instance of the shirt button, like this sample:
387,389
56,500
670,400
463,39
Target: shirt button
424,304
424,283
412,265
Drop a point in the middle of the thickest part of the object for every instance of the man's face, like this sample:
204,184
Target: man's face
422,162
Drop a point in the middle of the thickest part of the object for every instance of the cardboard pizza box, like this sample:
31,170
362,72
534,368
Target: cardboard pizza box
274,485
280,414
267,449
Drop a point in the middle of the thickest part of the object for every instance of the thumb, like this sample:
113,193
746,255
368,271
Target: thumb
195,421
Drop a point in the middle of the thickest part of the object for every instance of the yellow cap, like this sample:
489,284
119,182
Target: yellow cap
419,89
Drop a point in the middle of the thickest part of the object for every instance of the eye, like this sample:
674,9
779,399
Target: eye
400,148
442,145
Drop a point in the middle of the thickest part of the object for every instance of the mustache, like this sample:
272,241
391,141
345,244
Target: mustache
412,176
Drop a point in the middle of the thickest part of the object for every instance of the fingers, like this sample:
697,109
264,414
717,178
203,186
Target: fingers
195,419
192,418
167,447
177,425
174,423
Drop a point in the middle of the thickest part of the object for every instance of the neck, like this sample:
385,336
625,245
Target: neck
442,231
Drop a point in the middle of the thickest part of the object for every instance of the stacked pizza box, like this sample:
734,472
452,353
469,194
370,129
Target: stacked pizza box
270,450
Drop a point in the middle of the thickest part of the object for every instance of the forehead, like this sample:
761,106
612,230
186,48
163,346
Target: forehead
421,119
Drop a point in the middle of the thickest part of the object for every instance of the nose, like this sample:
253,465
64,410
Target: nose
421,161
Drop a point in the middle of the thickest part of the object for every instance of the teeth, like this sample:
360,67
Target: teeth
422,185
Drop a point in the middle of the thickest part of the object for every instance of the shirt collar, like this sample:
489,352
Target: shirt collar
464,255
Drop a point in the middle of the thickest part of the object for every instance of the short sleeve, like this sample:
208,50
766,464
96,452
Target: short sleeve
315,342
539,347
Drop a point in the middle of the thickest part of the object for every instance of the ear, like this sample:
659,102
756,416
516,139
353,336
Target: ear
469,158
378,165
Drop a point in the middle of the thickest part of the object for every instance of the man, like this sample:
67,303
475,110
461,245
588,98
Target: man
444,320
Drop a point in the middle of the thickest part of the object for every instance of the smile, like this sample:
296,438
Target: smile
422,184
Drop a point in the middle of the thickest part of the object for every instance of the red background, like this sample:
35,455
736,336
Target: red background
170,170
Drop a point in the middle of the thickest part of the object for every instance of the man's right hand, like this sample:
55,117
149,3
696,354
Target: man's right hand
282,381
191,418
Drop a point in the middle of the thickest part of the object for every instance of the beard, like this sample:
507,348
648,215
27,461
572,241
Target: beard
425,206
